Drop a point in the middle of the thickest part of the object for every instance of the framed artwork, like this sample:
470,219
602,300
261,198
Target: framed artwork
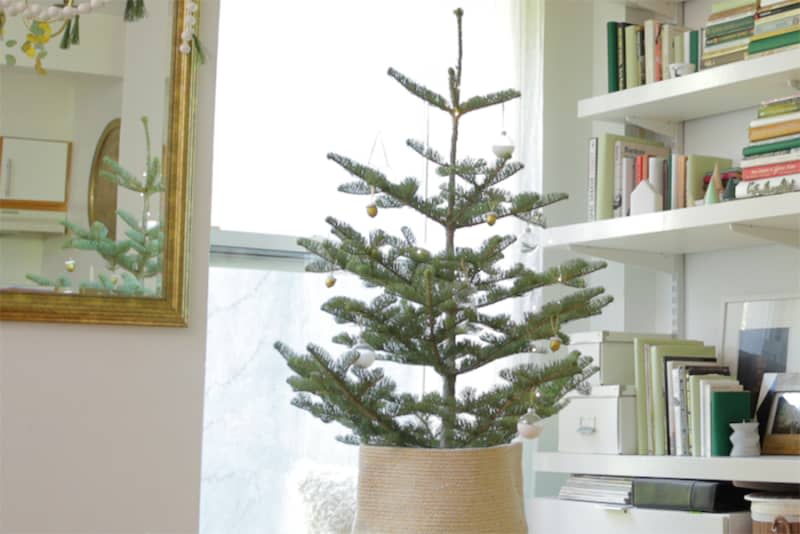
761,335
782,434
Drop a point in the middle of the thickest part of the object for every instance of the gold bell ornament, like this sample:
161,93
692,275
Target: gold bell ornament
555,343
69,265
491,218
330,281
372,209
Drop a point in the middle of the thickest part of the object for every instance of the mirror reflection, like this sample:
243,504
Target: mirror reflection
84,103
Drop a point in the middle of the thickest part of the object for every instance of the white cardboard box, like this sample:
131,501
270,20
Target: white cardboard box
601,423
612,352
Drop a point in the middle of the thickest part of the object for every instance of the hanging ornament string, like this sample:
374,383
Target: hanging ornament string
372,207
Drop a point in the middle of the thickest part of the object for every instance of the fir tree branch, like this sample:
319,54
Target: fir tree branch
425,151
492,99
420,91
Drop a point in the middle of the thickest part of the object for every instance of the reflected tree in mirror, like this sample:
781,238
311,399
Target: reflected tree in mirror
133,262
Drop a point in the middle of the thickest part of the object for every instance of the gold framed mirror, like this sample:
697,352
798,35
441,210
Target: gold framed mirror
60,266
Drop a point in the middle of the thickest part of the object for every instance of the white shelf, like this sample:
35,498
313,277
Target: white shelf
735,224
731,87
784,469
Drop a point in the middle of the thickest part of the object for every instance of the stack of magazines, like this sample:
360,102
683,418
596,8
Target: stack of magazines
608,490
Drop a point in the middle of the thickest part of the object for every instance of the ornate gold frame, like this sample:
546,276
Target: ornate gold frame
111,131
171,308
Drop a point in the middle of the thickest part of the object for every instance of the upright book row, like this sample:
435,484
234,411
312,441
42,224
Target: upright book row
735,30
685,399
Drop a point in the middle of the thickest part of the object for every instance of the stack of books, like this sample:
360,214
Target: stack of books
771,162
642,53
685,399
728,32
601,489
777,26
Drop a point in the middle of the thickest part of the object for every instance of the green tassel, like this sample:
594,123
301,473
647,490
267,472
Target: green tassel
65,38
76,31
199,52
139,9
130,14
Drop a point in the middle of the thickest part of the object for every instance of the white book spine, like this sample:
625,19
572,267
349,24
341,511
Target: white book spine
628,179
656,174
687,47
750,188
591,182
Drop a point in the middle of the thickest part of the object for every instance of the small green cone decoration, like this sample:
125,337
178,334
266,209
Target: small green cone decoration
65,37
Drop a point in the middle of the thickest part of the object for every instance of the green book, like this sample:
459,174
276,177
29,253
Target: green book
611,39
730,27
727,407
777,146
770,43
694,48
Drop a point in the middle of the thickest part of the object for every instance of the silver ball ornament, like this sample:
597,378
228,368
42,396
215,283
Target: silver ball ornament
503,146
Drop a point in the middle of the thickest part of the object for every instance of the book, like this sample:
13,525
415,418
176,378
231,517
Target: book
706,389
696,167
681,175
727,407
778,109
732,13
683,417
591,182
769,159
777,9
632,71
606,145
726,47
765,121
652,29
781,22
628,181
671,48
688,495
611,43
777,129
768,147
641,348
731,26
725,5
674,182
660,356
623,82
627,149
772,170
778,41
730,37
771,51
750,188
774,33
694,408
724,59
694,48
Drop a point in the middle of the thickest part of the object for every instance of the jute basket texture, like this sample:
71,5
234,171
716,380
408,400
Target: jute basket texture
440,491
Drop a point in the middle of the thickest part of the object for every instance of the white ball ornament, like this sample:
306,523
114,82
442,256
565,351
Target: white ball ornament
35,10
503,146
53,12
185,48
186,36
84,8
5,3
366,356
529,425
191,7
68,12
96,4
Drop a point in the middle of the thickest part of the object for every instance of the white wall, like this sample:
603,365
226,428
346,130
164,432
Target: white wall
100,426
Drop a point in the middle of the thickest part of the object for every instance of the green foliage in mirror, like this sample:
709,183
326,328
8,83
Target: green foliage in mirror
133,261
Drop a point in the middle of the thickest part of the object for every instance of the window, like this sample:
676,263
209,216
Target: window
301,80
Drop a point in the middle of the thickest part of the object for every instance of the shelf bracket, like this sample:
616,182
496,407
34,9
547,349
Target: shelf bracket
650,260
782,236
660,127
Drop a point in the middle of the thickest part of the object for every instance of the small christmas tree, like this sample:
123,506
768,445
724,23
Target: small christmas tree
137,258
432,311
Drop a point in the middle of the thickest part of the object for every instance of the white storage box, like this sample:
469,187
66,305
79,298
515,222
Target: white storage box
556,516
603,422
612,352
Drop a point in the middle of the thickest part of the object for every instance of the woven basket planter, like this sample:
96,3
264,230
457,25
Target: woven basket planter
404,490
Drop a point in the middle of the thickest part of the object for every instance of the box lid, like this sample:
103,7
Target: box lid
616,390
601,336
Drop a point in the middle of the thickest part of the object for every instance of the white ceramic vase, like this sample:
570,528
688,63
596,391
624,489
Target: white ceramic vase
745,439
